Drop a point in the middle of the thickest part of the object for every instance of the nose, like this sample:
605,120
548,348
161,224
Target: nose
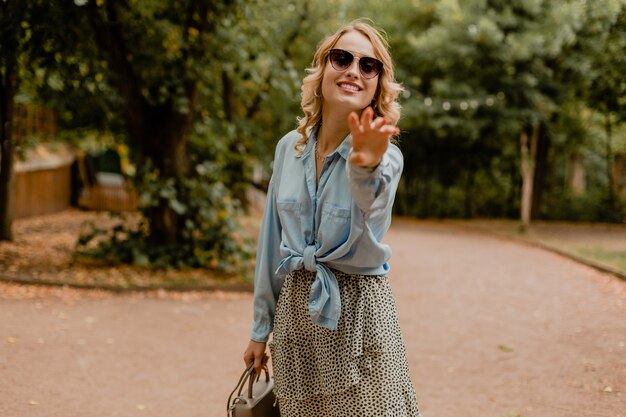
353,69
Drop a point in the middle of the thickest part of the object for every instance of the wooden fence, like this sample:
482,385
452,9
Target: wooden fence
43,180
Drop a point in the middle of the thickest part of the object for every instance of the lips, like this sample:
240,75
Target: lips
349,86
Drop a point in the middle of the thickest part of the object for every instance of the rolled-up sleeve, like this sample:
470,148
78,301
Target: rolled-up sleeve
266,285
371,186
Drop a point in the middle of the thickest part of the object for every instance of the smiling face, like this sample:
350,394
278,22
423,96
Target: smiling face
348,90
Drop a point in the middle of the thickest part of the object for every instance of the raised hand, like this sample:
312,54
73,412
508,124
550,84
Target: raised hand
370,138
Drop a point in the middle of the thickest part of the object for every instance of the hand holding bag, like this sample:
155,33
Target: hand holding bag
259,401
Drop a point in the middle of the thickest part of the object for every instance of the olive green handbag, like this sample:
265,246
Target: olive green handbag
259,401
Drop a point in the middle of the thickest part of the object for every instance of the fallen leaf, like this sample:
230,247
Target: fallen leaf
11,339
505,348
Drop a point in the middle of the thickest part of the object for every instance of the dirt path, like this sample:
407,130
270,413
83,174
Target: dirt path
492,328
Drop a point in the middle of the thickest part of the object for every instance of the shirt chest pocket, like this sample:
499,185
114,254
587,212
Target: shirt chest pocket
290,216
334,225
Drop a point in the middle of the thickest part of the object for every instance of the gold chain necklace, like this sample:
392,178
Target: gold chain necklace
317,155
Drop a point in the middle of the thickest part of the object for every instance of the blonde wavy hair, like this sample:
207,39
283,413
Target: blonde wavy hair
385,102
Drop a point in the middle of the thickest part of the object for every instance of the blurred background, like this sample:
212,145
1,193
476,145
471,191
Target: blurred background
169,111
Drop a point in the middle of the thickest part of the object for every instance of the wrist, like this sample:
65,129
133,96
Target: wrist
375,165
370,165
360,160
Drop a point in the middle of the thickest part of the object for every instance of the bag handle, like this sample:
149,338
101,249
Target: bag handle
252,378
248,376
241,383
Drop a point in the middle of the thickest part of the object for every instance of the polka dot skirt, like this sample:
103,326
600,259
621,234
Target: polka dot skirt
360,369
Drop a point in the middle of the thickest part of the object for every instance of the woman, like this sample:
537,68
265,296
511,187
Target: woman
320,279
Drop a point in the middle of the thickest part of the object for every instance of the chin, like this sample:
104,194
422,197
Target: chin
348,104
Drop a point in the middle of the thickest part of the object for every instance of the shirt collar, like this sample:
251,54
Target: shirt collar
309,146
343,149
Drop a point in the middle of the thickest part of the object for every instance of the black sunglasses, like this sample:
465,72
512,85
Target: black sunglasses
368,66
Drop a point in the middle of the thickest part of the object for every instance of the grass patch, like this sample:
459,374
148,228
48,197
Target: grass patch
600,243
616,259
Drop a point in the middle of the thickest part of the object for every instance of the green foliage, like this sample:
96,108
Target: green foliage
592,206
476,73
211,236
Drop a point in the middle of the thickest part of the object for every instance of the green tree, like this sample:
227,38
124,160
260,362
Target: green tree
155,53
29,36
497,72
607,94
215,93
257,85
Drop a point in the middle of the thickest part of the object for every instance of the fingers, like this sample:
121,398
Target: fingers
366,117
368,123
378,123
258,364
370,137
364,123
390,130
353,121
248,358
255,353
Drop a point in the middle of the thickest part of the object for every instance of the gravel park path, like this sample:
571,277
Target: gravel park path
493,328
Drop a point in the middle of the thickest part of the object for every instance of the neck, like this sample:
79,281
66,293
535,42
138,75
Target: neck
333,131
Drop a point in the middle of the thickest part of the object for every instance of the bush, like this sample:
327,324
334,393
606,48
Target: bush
210,234
590,206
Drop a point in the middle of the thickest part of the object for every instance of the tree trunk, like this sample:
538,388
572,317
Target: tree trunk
619,174
157,133
470,202
575,178
8,86
169,156
541,172
609,160
514,190
528,153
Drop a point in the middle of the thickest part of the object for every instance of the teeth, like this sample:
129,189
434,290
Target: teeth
349,87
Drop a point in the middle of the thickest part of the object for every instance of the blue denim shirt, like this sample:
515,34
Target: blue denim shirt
337,224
